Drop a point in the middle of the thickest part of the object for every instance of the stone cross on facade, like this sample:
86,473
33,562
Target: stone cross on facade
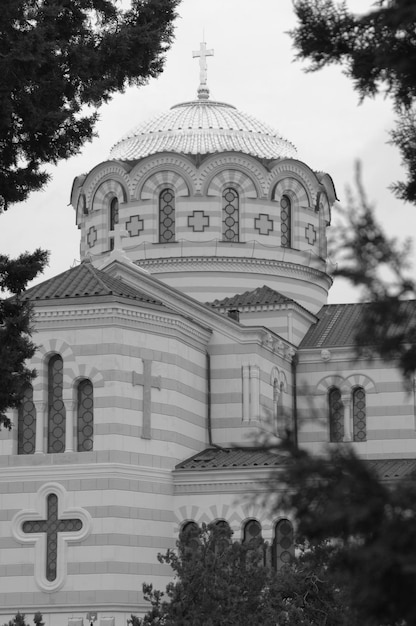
310,234
52,525
203,53
148,381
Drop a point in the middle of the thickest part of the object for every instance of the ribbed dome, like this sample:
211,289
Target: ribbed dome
202,127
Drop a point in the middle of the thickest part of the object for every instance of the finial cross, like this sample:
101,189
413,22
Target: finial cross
203,53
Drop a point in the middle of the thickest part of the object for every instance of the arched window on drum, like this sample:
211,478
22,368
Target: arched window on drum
85,415
230,215
56,407
253,540
336,415
167,216
113,219
283,548
285,222
26,423
359,420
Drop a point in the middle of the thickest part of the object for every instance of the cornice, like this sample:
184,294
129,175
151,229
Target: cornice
236,264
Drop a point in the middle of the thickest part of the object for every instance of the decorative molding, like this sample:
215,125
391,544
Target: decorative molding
160,180
310,234
112,169
200,221
108,189
263,224
244,165
230,178
134,225
346,385
91,236
299,172
174,163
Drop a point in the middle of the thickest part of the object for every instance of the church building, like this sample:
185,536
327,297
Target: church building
196,319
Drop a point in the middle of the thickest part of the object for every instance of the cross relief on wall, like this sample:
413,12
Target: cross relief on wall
148,382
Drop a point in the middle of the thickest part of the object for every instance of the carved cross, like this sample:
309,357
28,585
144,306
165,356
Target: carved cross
52,525
263,224
198,221
310,234
148,381
134,226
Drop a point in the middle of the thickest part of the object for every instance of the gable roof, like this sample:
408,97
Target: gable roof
337,324
262,296
85,280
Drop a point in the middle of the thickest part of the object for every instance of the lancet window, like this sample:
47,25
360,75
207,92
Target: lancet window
336,415
359,414
166,216
283,548
85,416
285,222
189,535
26,423
230,215
56,408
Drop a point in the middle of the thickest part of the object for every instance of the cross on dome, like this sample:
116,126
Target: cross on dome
203,53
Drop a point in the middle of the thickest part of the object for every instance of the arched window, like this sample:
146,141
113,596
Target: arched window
285,222
56,408
85,416
359,414
230,215
166,216
336,415
252,532
26,423
283,548
113,218
223,537
189,536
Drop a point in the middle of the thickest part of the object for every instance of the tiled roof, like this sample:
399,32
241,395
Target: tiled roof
337,324
238,458
82,281
227,458
202,127
262,296
394,469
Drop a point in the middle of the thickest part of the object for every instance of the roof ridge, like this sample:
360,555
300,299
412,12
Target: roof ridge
93,270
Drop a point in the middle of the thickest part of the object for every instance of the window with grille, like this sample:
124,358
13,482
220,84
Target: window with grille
113,218
230,215
283,548
26,423
285,222
56,408
359,414
85,416
166,216
336,415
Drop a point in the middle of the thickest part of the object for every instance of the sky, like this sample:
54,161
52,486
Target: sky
254,69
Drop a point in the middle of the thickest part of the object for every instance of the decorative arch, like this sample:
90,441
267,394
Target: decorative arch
106,192
293,189
283,546
299,172
362,380
246,165
41,358
161,180
176,164
231,178
333,380
109,171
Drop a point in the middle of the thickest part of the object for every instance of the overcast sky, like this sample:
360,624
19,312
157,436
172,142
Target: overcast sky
254,69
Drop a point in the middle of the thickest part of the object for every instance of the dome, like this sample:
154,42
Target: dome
202,127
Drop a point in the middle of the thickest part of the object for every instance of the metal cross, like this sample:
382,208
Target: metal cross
52,526
263,224
134,226
148,381
203,53
310,234
198,221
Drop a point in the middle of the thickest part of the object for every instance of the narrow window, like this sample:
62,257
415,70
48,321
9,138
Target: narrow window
56,408
336,415
166,216
189,536
222,536
85,416
359,414
283,549
26,423
285,222
230,215
113,219
252,532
